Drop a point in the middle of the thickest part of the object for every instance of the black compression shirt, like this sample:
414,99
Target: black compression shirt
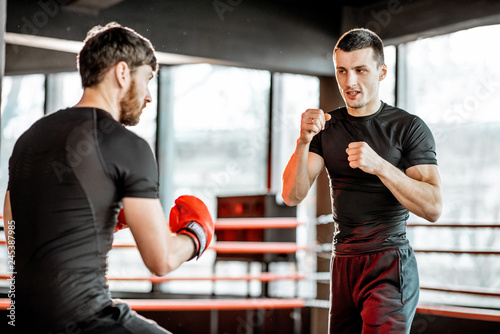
367,216
68,174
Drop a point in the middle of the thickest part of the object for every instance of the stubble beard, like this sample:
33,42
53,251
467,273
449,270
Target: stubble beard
131,106
355,104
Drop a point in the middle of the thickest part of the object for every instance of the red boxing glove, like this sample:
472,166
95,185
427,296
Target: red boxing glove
121,223
190,216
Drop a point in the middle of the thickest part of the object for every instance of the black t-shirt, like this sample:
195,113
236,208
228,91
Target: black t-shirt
68,175
367,216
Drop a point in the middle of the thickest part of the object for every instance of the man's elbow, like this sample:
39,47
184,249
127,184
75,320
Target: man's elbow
163,266
159,269
432,218
434,212
290,200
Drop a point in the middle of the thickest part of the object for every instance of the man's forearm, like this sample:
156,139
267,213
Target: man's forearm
301,171
419,194
7,215
296,183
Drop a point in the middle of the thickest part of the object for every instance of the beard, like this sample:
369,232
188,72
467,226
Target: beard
357,105
131,106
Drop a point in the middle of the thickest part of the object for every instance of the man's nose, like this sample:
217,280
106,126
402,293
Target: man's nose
148,97
352,79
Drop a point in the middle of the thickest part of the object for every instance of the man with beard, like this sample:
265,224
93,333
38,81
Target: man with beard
69,176
381,162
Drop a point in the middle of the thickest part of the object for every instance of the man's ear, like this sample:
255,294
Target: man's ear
122,74
383,72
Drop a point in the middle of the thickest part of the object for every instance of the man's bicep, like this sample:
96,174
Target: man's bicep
146,221
143,212
425,173
150,230
315,165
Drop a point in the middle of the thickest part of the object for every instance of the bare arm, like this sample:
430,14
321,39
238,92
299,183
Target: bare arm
7,215
161,250
304,166
300,173
418,189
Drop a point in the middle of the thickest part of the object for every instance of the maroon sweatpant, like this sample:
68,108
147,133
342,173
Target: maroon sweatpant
374,293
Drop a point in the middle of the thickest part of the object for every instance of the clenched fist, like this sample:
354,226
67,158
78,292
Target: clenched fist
361,155
313,121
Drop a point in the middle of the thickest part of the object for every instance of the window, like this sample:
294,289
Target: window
293,95
453,83
220,128
457,93
215,129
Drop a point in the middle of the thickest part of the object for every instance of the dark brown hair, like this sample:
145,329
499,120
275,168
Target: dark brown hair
360,38
104,47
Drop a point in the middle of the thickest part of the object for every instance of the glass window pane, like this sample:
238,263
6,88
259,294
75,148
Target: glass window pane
216,128
293,95
221,130
455,90
453,83
22,104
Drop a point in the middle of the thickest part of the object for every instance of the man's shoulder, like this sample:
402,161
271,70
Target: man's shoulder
397,115
115,139
338,111
49,125
337,114
395,111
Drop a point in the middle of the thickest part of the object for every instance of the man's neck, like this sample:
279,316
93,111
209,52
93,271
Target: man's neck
367,110
94,97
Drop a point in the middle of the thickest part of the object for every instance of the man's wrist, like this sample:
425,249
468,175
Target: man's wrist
194,242
301,145
196,232
385,169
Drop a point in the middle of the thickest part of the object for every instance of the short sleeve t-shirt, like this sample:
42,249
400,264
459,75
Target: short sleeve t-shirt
367,216
68,174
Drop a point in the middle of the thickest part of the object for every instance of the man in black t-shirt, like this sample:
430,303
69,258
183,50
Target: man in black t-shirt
381,162
69,176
